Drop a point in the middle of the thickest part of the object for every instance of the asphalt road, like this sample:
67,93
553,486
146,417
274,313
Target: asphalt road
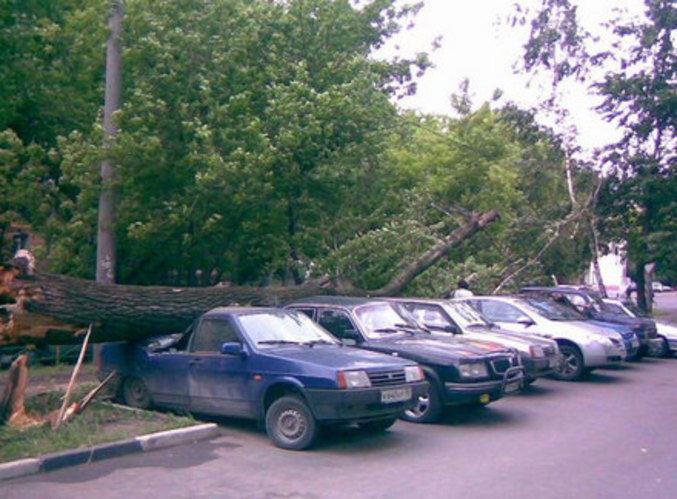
610,436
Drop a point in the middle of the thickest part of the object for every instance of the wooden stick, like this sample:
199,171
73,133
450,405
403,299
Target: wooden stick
71,384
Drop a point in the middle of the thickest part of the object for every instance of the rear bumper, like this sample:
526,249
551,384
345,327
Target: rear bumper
485,391
359,405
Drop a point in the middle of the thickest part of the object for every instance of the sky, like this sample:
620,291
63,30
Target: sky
477,44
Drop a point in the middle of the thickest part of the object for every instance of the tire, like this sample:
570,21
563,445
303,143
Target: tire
290,424
428,409
571,368
378,425
135,393
664,351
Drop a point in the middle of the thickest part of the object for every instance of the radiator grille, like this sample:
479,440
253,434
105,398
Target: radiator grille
386,378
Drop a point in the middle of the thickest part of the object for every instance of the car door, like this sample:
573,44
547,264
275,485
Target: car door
218,383
166,374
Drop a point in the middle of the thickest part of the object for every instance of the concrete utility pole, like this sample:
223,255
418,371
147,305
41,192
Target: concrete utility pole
105,247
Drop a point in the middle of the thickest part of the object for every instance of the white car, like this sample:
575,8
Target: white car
667,331
659,287
453,318
584,346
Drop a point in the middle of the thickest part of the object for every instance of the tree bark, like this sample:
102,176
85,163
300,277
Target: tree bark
56,309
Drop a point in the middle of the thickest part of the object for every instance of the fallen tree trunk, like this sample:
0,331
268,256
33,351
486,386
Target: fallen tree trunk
56,309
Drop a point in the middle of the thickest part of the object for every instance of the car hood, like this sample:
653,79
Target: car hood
624,319
436,350
338,357
507,339
667,329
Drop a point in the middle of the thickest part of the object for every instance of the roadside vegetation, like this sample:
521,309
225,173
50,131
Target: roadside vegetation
261,142
100,422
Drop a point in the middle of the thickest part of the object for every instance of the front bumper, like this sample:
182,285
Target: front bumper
361,404
484,392
535,368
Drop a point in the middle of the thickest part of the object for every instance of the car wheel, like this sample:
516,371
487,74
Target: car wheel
571,368
135,393
290,424
664,350
428,408
378,425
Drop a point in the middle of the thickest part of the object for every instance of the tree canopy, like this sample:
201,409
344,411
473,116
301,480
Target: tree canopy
260,141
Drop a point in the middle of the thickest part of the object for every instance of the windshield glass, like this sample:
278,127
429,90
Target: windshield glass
553,310
270,329
466,315
379,320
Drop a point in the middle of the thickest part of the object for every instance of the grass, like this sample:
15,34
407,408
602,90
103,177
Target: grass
100,422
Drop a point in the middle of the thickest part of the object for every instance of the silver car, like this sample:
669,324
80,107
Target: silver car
540,356
584,346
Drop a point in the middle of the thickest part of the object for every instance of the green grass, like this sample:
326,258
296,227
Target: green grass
100,422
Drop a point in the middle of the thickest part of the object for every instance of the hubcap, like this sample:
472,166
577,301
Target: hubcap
421,407
569,364
291,424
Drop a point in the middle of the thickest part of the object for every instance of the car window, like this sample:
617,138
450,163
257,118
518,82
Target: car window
550,309
336,322
466,315
272,329
428,315
211,334
501,312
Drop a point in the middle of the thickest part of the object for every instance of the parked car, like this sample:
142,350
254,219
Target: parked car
540,356
272,365
659,287
584,346
590,304
463,372
667,331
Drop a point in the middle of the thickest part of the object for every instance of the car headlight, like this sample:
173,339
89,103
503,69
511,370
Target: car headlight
413,373
536,351
353,379
475,370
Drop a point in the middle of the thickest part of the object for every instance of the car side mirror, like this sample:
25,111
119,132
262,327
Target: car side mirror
525,321
350,337
449,328
233,348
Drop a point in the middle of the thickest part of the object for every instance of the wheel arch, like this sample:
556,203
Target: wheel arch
280,389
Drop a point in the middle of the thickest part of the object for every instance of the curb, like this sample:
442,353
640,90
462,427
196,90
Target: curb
143,443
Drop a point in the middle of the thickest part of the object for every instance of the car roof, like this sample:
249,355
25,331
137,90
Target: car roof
337,301
221,312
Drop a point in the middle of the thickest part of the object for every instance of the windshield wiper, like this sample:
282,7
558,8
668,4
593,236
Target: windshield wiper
397,328
312,343
278,342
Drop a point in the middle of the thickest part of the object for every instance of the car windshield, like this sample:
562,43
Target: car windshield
379,320
270,329
553,310
467,316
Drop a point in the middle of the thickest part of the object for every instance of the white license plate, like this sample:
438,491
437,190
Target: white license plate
635,342
513,386
395,395
553,362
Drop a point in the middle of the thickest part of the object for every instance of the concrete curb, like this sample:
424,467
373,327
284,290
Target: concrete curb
143,443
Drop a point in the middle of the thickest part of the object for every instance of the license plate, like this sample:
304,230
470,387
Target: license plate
513,386
635,342
553,362
395,395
